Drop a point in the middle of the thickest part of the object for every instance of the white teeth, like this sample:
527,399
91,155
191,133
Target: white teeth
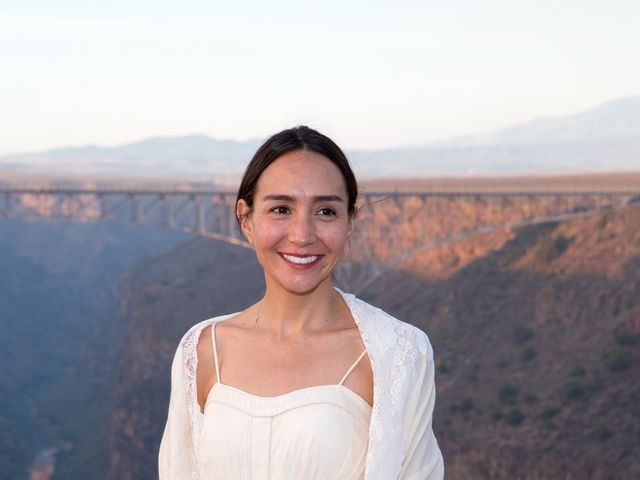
301,260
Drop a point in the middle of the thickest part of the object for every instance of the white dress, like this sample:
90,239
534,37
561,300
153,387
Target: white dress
401,445
312,433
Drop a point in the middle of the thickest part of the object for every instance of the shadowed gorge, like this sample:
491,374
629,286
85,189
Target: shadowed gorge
61,326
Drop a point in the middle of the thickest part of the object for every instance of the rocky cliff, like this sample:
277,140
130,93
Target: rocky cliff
537,347
536,335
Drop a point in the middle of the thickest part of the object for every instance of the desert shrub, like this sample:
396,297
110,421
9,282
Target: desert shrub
496,416
514,416
508,394
463,406
625,337
561,243
603,220
574,388
551,247
529,398
473,376
578,371
443,368
528,354
521,334
602,433
548,412
617,359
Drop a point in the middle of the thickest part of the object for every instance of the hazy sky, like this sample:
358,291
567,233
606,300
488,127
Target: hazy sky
371,74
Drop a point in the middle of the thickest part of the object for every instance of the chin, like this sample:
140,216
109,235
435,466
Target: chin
302,287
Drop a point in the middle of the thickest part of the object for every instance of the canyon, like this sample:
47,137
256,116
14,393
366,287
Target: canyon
535,327
536,337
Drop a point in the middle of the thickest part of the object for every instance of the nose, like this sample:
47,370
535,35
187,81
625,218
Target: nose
302,230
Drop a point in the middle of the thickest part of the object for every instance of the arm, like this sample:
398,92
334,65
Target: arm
175,456
422,456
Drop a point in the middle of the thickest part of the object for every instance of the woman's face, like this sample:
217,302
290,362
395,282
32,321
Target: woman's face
299,223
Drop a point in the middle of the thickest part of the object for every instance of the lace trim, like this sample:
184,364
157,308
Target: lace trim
190,368
397,347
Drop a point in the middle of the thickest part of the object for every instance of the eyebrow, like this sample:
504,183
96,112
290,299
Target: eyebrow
317,198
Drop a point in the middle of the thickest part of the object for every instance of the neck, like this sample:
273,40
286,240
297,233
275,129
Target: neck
287,315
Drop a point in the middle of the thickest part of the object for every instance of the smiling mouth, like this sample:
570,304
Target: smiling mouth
300,260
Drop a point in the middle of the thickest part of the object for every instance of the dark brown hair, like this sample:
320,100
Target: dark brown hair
292,139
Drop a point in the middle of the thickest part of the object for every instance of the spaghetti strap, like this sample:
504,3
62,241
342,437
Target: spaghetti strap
215,350
352,366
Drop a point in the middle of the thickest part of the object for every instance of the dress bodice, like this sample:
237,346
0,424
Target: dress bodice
314,433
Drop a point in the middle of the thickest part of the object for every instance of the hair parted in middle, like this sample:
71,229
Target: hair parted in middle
289,140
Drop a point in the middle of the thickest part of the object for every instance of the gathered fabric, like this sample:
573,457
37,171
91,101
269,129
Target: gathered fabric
392,440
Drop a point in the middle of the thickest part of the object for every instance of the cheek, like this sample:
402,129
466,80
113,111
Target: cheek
267,234
336,237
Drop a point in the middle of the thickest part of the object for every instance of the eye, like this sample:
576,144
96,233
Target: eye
280,210
326,211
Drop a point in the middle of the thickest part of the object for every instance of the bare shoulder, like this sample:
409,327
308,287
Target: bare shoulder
204,342
205,346
205,374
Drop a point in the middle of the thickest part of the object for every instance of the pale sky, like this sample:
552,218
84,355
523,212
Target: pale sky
370,74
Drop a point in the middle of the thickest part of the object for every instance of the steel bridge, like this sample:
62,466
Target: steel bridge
392,228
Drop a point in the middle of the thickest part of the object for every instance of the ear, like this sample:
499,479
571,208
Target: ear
242,213
350,226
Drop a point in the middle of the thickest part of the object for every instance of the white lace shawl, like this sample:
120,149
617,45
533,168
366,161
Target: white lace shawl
402,445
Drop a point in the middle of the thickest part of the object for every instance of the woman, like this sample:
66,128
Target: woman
310,382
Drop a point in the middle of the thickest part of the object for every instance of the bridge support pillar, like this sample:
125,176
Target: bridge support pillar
138,208
200,215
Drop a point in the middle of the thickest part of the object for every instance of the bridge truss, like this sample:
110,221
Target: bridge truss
392,228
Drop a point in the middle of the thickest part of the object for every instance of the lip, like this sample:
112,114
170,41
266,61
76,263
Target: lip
298,266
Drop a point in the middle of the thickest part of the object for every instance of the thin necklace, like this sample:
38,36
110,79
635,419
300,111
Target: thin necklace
298,340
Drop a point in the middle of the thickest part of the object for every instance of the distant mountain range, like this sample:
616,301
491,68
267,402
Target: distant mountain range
191,155
616,120
604,138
